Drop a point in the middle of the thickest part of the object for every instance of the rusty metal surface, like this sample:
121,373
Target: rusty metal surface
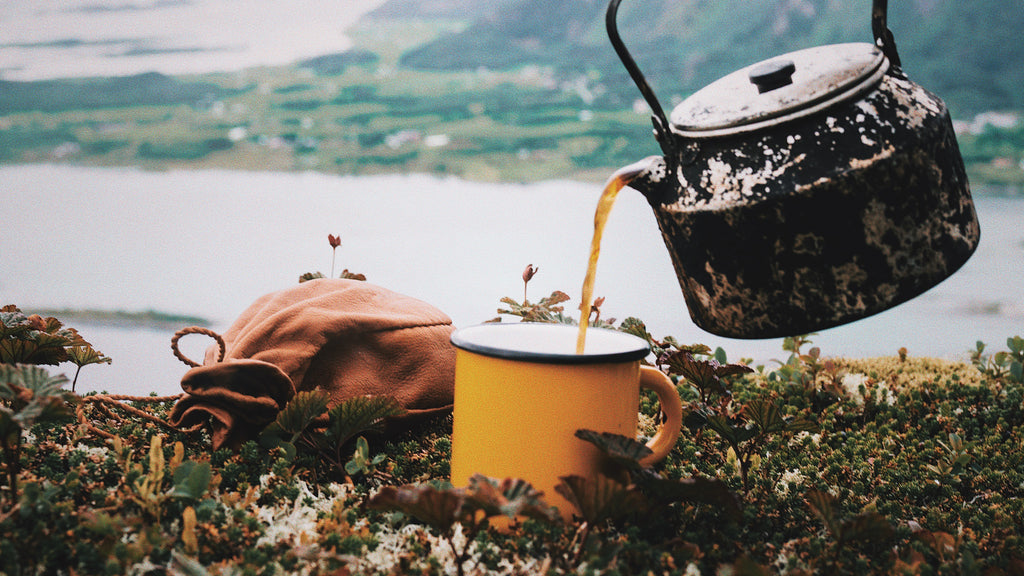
837,216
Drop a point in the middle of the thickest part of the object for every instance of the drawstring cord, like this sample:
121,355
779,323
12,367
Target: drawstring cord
107,403
196,330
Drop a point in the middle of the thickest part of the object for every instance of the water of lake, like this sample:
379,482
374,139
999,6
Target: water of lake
209,242
66,38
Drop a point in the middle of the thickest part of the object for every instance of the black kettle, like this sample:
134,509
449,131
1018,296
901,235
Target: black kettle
808,190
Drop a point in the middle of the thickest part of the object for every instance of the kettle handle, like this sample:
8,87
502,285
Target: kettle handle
661,126
879,28
883,36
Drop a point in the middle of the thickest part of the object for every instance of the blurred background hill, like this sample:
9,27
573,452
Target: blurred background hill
510,90
969,52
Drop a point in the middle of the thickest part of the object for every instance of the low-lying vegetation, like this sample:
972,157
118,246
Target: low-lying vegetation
894,465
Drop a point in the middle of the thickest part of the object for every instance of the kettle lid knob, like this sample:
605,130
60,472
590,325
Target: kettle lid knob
772,74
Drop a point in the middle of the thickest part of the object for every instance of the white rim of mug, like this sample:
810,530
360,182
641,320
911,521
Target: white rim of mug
640,349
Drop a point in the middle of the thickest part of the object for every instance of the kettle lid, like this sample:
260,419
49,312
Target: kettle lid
780,89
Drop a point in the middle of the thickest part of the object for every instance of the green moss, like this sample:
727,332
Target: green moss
932,450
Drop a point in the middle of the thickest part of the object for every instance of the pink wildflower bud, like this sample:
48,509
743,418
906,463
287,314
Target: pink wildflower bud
335,241
529,272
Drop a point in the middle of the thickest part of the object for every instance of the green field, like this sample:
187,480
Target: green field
361,112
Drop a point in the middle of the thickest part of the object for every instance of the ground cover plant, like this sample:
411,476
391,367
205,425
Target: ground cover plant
813,465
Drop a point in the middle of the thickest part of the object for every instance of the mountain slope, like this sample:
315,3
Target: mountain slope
968,53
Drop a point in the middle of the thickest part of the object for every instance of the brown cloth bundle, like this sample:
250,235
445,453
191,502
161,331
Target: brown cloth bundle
345,337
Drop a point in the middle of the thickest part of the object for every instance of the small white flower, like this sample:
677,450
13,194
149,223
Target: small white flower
852,383
96,453
790,478
145,566
292,525
801,437
885,394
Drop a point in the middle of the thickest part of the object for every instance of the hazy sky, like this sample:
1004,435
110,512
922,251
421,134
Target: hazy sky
60,38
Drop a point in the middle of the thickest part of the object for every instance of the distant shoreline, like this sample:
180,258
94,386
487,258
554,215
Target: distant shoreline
122,318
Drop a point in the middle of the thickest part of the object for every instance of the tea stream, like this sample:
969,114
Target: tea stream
620,179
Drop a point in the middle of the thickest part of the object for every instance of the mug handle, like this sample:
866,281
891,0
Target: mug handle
671,405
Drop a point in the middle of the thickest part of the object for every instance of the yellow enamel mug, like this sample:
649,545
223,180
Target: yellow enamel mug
521,393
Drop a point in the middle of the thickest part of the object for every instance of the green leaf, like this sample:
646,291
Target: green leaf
696,419
556,297
621,449
794,343
304,411
636,327
271,439
36,348
869,527
547,310
822,504
694,349
720,356
192,479
1015,344
801,424
765,413
34,394
301,412
33,339
440,507
601,498
355,416
436,507
10,429
768,417
699,373
360,462
710,491
956,443
84,355
362,449
509,497
734,434
705,375
352,467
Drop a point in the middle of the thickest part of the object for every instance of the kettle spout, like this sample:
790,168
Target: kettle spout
649,176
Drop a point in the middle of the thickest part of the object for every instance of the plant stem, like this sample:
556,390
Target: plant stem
460,556
12,455
10,512
334,252
583,533
744,469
